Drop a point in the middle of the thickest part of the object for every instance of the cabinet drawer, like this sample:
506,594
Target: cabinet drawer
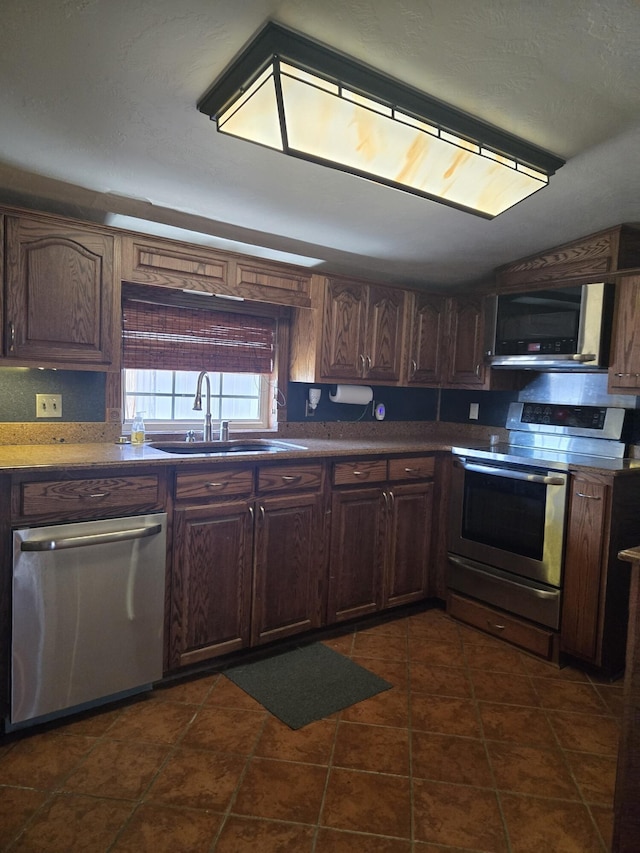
359,471
538,641
87,497
214,483
412,468
283,478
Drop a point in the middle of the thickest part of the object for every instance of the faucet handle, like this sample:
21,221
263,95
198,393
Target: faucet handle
191,435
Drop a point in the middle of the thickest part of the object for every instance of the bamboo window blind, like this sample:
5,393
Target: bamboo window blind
165,337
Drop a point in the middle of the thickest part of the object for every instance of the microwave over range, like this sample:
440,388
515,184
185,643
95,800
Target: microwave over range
565,328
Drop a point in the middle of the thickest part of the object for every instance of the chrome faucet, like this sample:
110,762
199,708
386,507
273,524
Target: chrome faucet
197,404
224,430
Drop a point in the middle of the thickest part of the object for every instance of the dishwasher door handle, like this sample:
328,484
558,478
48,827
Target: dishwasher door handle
90,539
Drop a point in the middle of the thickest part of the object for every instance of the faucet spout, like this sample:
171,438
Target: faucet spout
197,404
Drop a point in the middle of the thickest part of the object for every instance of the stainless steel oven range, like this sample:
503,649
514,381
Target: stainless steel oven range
509,502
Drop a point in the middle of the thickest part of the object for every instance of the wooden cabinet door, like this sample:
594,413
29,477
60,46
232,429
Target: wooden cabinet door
624,372
211,581
383,346
356,557
60,287
410,516
583,568
343,333
287,589
466,342
427,337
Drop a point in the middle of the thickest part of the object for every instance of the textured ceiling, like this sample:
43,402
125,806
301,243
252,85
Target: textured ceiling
98,116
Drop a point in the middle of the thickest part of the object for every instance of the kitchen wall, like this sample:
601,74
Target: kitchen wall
405,404
83,394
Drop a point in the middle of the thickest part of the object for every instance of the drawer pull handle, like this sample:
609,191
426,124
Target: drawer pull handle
95,495
12,337
359,473
215,485
496,625
411,470
289,478
590,497
414,367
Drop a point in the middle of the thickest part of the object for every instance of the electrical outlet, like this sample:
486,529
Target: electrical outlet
48,405
474,411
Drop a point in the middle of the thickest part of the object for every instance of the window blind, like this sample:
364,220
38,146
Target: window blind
166,337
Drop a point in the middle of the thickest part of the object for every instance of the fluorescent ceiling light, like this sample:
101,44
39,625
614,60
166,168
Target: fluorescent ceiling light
294,95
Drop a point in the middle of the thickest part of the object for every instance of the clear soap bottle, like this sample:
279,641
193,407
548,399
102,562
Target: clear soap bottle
137,429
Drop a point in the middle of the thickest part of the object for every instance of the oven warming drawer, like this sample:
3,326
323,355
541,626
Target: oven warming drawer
509,592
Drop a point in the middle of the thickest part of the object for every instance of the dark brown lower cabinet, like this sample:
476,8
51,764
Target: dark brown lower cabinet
247,569
603,520
356,558
380,537
211,581
409,547
289,559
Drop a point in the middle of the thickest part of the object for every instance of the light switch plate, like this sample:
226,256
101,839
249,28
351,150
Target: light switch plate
48,405
474,411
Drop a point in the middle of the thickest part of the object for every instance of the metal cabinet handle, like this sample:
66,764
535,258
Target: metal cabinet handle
392,499
359,473
12,336
414,368
289,478
411,470
215,485
261,511
95,495
496,625
590,497
386,500
635,375
361,359
368,363
251,513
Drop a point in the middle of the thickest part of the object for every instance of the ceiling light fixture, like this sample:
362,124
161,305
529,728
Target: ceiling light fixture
292,94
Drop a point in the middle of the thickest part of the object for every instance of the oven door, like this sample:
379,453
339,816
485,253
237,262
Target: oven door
509,517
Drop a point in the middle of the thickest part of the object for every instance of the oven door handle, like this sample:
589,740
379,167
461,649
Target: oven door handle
511,474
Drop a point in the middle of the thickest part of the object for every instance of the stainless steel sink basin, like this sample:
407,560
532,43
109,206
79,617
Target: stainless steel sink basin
224,448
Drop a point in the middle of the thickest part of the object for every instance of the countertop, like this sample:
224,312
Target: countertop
27,457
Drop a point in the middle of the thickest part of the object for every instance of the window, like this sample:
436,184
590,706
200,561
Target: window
165,346
166,398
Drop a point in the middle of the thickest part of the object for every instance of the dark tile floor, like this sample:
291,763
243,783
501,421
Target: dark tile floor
476,748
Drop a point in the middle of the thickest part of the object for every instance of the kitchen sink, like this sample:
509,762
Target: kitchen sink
224,448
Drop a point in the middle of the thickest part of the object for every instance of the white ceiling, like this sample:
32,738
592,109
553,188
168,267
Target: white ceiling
98,115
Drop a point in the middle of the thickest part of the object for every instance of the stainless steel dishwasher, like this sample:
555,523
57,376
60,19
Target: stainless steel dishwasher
87,614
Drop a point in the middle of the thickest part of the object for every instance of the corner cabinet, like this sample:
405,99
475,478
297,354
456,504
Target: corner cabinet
354,334
61,293
624,370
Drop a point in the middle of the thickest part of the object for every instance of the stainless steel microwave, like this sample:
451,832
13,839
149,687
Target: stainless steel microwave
566,328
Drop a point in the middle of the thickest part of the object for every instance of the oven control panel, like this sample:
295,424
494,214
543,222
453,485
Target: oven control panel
583,417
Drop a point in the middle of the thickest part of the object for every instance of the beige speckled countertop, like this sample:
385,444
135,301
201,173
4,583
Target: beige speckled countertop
94,445
15,458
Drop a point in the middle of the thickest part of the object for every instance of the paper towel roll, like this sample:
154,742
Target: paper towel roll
358,394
